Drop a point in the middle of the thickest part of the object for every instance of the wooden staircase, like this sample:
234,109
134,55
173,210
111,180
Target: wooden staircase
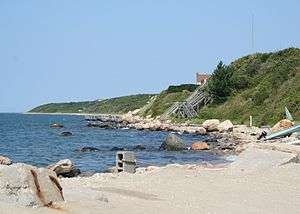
189,107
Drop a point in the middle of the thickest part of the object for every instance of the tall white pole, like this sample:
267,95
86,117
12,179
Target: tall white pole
252,31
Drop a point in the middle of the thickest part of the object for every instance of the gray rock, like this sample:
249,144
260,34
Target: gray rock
172,143
66,134
112,169
139,147
88,149
56,125
64,168
5,160
26,185
211,125
225,126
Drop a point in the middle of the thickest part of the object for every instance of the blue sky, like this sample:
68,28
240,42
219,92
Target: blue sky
54,51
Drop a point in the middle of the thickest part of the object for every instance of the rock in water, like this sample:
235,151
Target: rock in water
5,160
65,134
27,185
225,126
172,143
88,149
211,125
115,148
200,146
139,147
56,125
64,168
282,124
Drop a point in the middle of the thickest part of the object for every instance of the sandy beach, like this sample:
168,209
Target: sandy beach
260,180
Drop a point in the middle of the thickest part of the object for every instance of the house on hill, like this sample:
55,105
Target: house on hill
201,79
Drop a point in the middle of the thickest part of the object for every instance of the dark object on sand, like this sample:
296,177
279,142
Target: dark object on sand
172,143
139,147
66,134
115,148
88,149
262,135
56,125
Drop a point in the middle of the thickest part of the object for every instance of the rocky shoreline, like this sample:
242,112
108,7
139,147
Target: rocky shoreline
223,137
30,186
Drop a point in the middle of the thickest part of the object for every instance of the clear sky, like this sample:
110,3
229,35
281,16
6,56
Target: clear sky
53,51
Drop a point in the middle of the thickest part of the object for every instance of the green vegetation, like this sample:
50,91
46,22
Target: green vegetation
259,85
168,97
220,85
114,106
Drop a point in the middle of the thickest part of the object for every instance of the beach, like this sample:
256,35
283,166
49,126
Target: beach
260,180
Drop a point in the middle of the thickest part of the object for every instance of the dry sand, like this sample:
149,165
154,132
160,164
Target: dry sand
257,182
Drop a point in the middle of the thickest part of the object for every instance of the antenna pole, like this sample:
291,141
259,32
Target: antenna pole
252,31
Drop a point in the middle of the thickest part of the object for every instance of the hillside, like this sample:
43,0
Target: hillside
116,105
259,85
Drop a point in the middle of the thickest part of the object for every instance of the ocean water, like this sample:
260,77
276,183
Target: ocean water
29,139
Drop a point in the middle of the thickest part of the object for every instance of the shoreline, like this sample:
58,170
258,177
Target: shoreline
72,114
261,173
255,182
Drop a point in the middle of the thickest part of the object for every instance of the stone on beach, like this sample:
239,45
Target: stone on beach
172,143
211,125
195,130
64,168
282,124
200,146
5,160
26,185
225,126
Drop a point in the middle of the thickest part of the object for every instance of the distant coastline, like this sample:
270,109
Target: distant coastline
61,113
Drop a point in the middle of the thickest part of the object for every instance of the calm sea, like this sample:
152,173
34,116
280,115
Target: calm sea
28,139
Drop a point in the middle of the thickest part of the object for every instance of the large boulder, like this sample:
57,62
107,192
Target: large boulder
172,143
27,185
5,160
282,124
64,168
200,146
225,126
211,125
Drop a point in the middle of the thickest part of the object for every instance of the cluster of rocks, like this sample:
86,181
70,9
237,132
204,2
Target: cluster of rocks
175,143
59,126
132,121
